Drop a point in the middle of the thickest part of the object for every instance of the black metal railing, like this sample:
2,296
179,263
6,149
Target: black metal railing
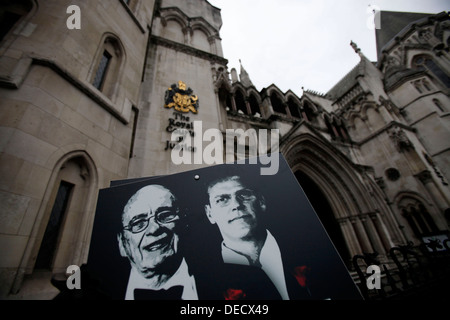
407,272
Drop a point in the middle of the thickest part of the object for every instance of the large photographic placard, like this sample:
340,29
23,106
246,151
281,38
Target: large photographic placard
224,232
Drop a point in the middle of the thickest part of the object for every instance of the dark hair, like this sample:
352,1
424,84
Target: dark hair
247,179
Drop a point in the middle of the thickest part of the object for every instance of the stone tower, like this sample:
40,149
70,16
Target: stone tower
184,46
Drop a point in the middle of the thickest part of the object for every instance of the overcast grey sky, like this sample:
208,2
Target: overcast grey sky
303,43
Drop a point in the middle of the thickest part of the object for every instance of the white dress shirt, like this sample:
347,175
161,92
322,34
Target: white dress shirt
180,278
270,260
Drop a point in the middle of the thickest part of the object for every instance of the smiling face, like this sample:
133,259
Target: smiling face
148,244
234,208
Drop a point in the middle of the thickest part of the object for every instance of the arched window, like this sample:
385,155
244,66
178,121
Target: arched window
277,103
411,222
49,243
107,66
102,70
173,29
241,106
294,108
200,40
420,220
308,111
425,62
11,11
225,99
254,106
65,215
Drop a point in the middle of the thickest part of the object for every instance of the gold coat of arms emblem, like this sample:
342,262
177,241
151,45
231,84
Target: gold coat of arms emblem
181,98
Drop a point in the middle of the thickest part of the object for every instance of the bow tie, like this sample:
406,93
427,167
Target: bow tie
173,293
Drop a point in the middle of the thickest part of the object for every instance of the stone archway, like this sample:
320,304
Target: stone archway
61,231
323,209
353,216
74,181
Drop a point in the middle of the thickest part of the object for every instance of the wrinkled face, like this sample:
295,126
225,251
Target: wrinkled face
234,208
149,221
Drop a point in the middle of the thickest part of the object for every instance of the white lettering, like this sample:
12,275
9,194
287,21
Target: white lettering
373,281
74,21
183,148
74,280
374,21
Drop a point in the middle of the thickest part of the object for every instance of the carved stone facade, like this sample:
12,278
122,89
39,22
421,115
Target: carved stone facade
81,108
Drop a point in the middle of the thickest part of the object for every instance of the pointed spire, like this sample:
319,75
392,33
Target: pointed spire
355,46
244,77
357,49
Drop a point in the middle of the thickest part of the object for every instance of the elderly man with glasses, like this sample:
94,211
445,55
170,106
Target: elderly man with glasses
149,240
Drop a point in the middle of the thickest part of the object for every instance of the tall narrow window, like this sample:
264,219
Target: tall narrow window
308,111
225,99
429,220
102,70
135,111
106,72
254,106
48,246
241,106
294,108
420,220
277,103
411,222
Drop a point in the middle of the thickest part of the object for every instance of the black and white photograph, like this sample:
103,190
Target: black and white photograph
198,150
219,233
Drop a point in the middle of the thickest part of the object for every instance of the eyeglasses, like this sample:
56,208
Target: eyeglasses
244,195
140,222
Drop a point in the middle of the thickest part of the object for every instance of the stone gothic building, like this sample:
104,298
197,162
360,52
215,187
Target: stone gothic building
80,108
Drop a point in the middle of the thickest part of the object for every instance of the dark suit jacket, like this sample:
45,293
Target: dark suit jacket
313,269
235,282
221,282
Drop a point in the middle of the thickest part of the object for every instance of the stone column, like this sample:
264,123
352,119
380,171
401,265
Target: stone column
372,234
381,230
361,235
233,103
438,198
247,105
350,237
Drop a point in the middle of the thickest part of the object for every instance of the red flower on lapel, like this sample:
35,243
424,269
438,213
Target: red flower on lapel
234,294
300,274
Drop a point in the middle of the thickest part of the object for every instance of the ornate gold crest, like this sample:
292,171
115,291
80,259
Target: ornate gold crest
181,98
